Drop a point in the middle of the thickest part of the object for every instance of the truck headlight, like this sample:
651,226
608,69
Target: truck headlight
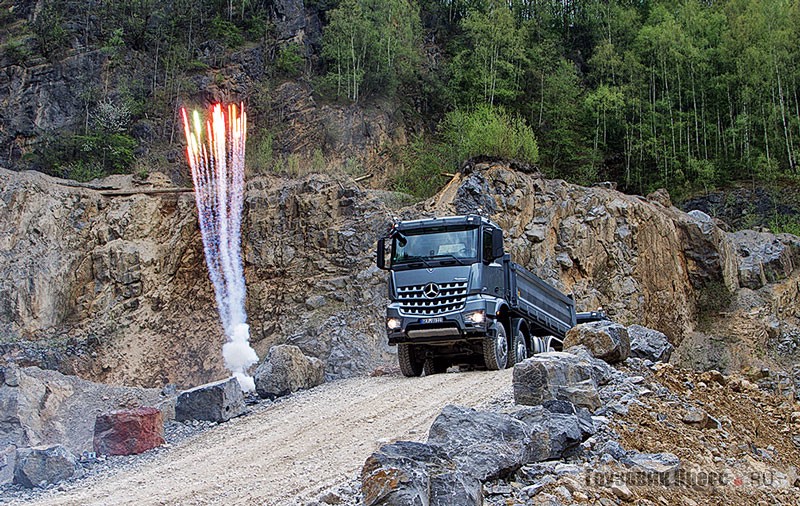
476,316
393,323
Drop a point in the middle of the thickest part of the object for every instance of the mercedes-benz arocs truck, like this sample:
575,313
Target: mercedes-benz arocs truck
458,299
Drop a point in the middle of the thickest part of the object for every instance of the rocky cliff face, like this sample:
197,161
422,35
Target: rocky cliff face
118,286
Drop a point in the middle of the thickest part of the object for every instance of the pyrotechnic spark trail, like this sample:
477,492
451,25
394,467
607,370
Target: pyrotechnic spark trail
218,176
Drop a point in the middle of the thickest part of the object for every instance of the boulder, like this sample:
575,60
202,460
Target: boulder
215,402
286,369
485,445
604,339
128,431
43,465
555,376
408,473
649,344
765,257
559,426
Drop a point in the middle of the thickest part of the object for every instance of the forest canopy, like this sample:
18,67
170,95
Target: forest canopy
684,94
687,95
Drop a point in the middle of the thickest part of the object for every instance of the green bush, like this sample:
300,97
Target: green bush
227,32
488,131
422,161
785,224
260,153
290,60
85,156
18,51
48,28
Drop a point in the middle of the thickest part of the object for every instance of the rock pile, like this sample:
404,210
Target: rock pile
564,433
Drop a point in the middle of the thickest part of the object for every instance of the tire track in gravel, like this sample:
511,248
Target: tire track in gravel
291,451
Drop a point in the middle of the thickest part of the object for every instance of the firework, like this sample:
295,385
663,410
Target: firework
216,159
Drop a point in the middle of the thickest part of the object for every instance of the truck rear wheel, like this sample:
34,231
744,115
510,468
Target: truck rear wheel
406,357
519,348
495,349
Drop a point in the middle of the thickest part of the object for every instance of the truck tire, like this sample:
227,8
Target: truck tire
495,349
435,365
406,357
519,348
539,346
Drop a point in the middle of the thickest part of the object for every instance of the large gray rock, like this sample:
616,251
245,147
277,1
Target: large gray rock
558,426
43,465
44,408
556,376
649,344
485,445
216,402
407,473
290,19
606,340
764,257
286,369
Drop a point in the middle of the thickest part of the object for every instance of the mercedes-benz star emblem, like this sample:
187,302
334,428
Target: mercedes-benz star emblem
431,290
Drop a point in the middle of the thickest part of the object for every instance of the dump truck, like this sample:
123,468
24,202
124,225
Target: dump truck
456,298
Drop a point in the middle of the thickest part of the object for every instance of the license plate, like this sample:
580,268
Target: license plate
426,321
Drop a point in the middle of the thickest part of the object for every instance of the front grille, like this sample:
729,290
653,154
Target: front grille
413,301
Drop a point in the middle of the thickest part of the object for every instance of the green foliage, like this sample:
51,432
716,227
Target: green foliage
422,161
227,32
85,156
18,51
490,67
371,46
260,156
48,28
290,60
785,224
486,130
712,298
489,131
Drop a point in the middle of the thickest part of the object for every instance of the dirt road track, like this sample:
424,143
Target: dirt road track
294,450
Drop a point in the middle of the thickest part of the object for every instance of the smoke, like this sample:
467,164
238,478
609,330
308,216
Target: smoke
239,356
218,176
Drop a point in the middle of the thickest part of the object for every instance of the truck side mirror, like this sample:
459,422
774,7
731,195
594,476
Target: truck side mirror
497,243
380,259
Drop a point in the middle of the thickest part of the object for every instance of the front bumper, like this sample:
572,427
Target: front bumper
439,329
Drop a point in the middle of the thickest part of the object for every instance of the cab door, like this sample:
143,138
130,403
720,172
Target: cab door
491,256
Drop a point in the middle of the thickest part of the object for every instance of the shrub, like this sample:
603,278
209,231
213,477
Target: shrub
290,60
227,32
488,131
785,224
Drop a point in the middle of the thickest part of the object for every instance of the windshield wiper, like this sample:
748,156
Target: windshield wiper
412,260
461,262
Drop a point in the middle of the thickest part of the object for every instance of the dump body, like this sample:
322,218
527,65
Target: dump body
457,298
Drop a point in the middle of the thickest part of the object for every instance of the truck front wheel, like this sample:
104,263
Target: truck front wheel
495,349
409,364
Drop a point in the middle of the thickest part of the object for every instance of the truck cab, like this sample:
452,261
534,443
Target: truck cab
456,298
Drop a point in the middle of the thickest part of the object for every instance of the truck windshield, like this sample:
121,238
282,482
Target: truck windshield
424,246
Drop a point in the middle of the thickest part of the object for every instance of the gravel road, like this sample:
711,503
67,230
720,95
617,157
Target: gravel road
293,451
